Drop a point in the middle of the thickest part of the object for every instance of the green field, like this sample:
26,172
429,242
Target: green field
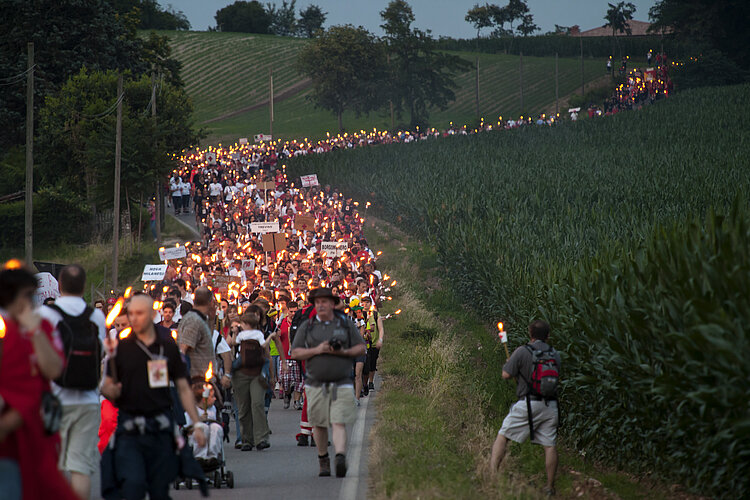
608,228
228,72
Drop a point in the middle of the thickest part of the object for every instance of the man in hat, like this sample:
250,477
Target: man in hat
328,342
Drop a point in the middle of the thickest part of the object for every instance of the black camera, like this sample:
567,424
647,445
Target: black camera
335,344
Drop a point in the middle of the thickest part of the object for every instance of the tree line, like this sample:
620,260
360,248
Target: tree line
80,48
254,17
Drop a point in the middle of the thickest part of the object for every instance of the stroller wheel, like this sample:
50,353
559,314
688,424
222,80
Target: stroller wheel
177,484
189,483
230,479
217,479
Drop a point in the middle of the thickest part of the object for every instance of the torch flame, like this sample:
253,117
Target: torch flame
128,292
500,326
115,312
174,334
124,334
2,328
398,312
209,372
394,283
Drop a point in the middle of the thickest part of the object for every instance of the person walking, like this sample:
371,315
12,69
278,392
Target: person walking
82,330
536,368
327,343
195,336
137,382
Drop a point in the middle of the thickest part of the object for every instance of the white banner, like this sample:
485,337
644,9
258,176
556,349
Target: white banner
211,158
172,253
243,140
334,248
264,227
263,137
309,180
248,265
154,272
48,287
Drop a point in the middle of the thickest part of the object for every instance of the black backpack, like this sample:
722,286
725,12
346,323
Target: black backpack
307,312
82,349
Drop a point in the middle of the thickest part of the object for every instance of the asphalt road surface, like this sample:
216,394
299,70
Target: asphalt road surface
287,471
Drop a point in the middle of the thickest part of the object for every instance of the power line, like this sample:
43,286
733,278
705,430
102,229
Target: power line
17,78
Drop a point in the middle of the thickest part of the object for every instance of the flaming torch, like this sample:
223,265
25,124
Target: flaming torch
503,338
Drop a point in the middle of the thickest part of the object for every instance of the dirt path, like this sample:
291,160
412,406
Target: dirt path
290,92
603,81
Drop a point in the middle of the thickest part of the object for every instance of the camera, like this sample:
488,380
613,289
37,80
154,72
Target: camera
335,344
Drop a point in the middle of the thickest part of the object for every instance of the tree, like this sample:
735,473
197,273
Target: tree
480,17
67,35
617,17
719,24
77,135
152,16
283,19
311,21
527,26
347,67
419,75
243,17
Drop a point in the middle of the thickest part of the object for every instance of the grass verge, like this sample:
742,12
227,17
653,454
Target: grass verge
439,410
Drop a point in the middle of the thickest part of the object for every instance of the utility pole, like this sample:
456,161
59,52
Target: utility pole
477,78
29,206
158,181
116,218
583,80
557,85
390,102
271,101
520,73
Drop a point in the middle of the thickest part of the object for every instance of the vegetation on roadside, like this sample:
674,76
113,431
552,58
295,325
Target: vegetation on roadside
564,223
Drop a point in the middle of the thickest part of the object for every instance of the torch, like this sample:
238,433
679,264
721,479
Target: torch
503,338
207,389
111,316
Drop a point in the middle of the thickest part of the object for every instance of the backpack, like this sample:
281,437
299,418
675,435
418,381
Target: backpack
82,349
545,375
307,312
252,357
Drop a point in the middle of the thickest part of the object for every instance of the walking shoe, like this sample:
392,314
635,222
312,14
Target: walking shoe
356,401
237,445
371,386
366,390
297,405
302,440
247,447
262,445
340,465
286,404
549,492
325,465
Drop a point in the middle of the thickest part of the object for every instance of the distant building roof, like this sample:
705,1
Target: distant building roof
638,28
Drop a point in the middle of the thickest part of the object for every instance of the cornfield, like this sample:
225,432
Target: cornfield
609,229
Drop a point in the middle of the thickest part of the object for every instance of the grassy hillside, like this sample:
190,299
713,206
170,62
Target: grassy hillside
608,229
226,73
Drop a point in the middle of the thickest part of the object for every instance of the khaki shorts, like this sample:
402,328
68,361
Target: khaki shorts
79,431
516,424
322,410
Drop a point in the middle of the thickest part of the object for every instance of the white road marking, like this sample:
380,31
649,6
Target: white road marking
351,481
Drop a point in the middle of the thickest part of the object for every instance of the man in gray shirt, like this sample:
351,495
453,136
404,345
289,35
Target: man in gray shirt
328,343
544,412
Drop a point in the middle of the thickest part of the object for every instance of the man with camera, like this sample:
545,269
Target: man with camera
327,343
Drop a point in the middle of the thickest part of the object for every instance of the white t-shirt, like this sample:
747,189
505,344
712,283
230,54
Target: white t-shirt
214,189
222,347
74,306
185,188
250,335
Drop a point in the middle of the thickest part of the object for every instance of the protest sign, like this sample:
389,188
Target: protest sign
154,272
266,186
309,180
304,223
235,156
274,242
574,110
49,267
264,227
263,137
248,264
243,140
172,253
211,158
334,248
222,281
48,287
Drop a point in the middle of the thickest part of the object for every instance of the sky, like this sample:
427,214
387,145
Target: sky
443,17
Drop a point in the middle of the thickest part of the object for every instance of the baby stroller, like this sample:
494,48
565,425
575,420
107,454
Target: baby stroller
214,463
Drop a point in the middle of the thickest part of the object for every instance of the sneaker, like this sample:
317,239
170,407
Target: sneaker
237,445
262,445
366,391
286,404
302,440
247,447
356,401
340,465
325,465
371,386
549,492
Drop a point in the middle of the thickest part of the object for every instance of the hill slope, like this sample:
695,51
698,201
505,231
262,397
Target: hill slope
227,75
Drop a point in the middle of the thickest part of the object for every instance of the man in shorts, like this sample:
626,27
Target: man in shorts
544,413
327,343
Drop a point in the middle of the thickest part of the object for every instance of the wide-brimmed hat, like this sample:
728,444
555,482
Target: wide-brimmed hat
323,293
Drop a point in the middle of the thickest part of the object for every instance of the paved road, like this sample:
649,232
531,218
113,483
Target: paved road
287,471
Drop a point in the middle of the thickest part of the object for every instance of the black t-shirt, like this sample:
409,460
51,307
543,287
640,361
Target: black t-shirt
137,397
